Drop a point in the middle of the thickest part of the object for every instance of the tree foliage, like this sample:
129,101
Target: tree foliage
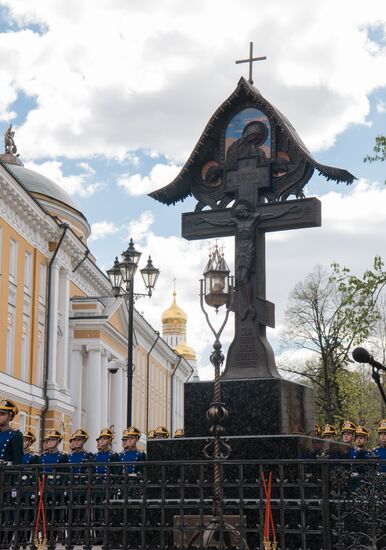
328,314
379,150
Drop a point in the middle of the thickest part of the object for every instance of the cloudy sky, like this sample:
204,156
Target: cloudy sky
108,98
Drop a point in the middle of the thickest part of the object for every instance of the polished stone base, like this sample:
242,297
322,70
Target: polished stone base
246,448
264,406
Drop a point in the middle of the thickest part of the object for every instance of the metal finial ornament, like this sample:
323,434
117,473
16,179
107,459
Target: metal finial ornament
250,60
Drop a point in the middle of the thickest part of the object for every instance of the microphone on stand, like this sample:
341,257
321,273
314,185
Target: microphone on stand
361,355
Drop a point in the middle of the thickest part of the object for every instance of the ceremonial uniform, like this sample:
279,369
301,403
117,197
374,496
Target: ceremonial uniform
104,475
77,478
105,455
11,452
11,441
79,456
28,492
132,454
380,450
57,457
348,433
130,482
360,451
29,457
11,446
55,484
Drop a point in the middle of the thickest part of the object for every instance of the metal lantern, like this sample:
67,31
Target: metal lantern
129,264
216,280
122,280
149,275
115,276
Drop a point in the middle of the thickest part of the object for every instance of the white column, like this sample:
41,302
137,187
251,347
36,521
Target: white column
53,328
117,414
104,389
64,308
75,383
93,391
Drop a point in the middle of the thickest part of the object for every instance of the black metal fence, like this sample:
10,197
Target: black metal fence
316,504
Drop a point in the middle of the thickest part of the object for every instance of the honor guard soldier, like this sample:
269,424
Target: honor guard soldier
104,452
11,441
329,432
55,483
77,479
11,452
348,432
130,453
380,451
361,438
161,433
52,455
78,454
29,456
28,493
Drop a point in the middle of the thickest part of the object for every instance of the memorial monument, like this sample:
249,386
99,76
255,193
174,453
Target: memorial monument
247,172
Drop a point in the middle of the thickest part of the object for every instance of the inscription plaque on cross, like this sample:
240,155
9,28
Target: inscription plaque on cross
250,354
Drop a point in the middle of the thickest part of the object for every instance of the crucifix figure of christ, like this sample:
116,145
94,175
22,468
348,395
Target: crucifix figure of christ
250,354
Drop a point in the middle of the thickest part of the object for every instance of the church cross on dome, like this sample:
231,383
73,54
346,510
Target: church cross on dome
250,60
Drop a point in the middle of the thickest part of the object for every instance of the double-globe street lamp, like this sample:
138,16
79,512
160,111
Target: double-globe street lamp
121,277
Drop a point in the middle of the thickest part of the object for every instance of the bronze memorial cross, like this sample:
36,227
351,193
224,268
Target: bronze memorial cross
250,354
246,164
250,60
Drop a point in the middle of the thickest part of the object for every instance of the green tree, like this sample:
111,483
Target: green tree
360,399
379,150
328,314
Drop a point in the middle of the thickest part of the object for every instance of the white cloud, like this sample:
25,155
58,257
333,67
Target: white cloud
100,230
160,175
381,106
153,82
79,184
140,228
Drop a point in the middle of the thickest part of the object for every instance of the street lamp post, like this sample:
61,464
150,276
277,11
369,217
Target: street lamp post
217,290
121,276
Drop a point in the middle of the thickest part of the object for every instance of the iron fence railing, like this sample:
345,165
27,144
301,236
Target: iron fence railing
315,504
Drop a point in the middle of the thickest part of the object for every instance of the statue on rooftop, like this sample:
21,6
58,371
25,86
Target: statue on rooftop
9,143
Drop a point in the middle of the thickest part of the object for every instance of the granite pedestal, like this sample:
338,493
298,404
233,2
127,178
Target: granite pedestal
263,406
269,418
246,448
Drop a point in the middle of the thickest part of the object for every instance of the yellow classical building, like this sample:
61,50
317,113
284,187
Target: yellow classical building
63,339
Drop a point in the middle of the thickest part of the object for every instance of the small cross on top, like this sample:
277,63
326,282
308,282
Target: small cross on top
250,60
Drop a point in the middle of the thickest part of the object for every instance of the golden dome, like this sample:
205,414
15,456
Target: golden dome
174,314
186,351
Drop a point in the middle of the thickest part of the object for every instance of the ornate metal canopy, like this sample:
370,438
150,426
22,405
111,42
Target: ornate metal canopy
246,125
